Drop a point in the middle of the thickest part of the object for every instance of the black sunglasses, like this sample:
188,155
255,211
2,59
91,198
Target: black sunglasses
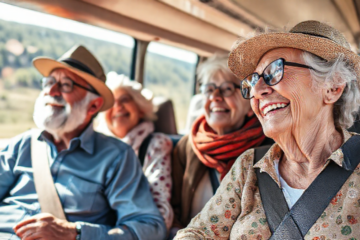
65,84
272,75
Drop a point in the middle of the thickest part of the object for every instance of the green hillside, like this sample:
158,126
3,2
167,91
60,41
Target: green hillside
20,43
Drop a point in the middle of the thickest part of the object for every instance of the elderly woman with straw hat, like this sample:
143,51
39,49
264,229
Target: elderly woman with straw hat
131,120
303,87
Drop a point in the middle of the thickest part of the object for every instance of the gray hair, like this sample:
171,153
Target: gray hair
214,64
91,96
142,97
335,73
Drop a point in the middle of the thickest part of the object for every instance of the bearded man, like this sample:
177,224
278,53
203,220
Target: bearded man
97,179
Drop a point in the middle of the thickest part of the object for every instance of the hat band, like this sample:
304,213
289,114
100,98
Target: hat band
313,34
79,65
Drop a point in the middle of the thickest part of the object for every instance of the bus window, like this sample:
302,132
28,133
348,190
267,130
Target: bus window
170,72
51,36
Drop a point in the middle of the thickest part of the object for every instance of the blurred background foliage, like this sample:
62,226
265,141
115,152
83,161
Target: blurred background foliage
20,82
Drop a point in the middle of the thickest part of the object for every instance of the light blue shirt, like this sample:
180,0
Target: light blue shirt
100,184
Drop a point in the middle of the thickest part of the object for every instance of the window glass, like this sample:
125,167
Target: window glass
50,36
170,72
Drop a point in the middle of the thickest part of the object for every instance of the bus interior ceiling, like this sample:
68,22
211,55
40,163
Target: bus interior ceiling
201,26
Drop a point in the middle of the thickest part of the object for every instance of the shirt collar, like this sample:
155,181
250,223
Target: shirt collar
266,163
338,156
86,139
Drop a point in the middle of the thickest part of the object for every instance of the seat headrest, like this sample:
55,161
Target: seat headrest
166,122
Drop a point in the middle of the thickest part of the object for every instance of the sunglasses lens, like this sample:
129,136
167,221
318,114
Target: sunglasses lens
274,72
247,84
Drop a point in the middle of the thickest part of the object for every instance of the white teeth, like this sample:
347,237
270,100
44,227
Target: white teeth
216,109
274,106
120,114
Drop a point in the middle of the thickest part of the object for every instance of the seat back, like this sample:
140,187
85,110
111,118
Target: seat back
166,122
195,110
355,127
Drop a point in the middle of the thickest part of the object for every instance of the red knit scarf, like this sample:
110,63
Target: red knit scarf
220,152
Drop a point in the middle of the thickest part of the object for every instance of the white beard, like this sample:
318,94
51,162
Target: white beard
58,121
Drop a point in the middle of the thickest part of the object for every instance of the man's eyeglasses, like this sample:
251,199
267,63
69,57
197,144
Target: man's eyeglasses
272,75
65,84
226,89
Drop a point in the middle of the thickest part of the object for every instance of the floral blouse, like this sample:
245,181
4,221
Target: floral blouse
157,170
236,211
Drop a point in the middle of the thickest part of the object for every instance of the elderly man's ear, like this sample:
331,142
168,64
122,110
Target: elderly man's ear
333,93
95,105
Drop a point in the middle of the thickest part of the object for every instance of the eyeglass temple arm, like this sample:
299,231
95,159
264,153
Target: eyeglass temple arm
297,65
87,89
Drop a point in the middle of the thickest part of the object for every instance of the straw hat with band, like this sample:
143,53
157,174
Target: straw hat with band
81,62
311,36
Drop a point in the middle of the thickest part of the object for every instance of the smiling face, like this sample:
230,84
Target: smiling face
291,105
225,114
124,115
59,112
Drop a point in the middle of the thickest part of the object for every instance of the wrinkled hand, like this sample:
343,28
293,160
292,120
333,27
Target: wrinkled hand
45,226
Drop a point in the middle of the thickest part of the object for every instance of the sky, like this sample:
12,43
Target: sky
22,15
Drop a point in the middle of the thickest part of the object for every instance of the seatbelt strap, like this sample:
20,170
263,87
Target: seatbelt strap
44,183
215,183
272,198
143,148
316,197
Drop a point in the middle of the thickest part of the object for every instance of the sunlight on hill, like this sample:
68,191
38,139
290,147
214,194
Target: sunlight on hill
16,110
169,71
26,16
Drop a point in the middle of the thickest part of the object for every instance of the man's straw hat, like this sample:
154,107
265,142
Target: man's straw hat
311,36
82,63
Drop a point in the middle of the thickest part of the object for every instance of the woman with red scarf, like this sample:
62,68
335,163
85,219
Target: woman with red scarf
227,128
